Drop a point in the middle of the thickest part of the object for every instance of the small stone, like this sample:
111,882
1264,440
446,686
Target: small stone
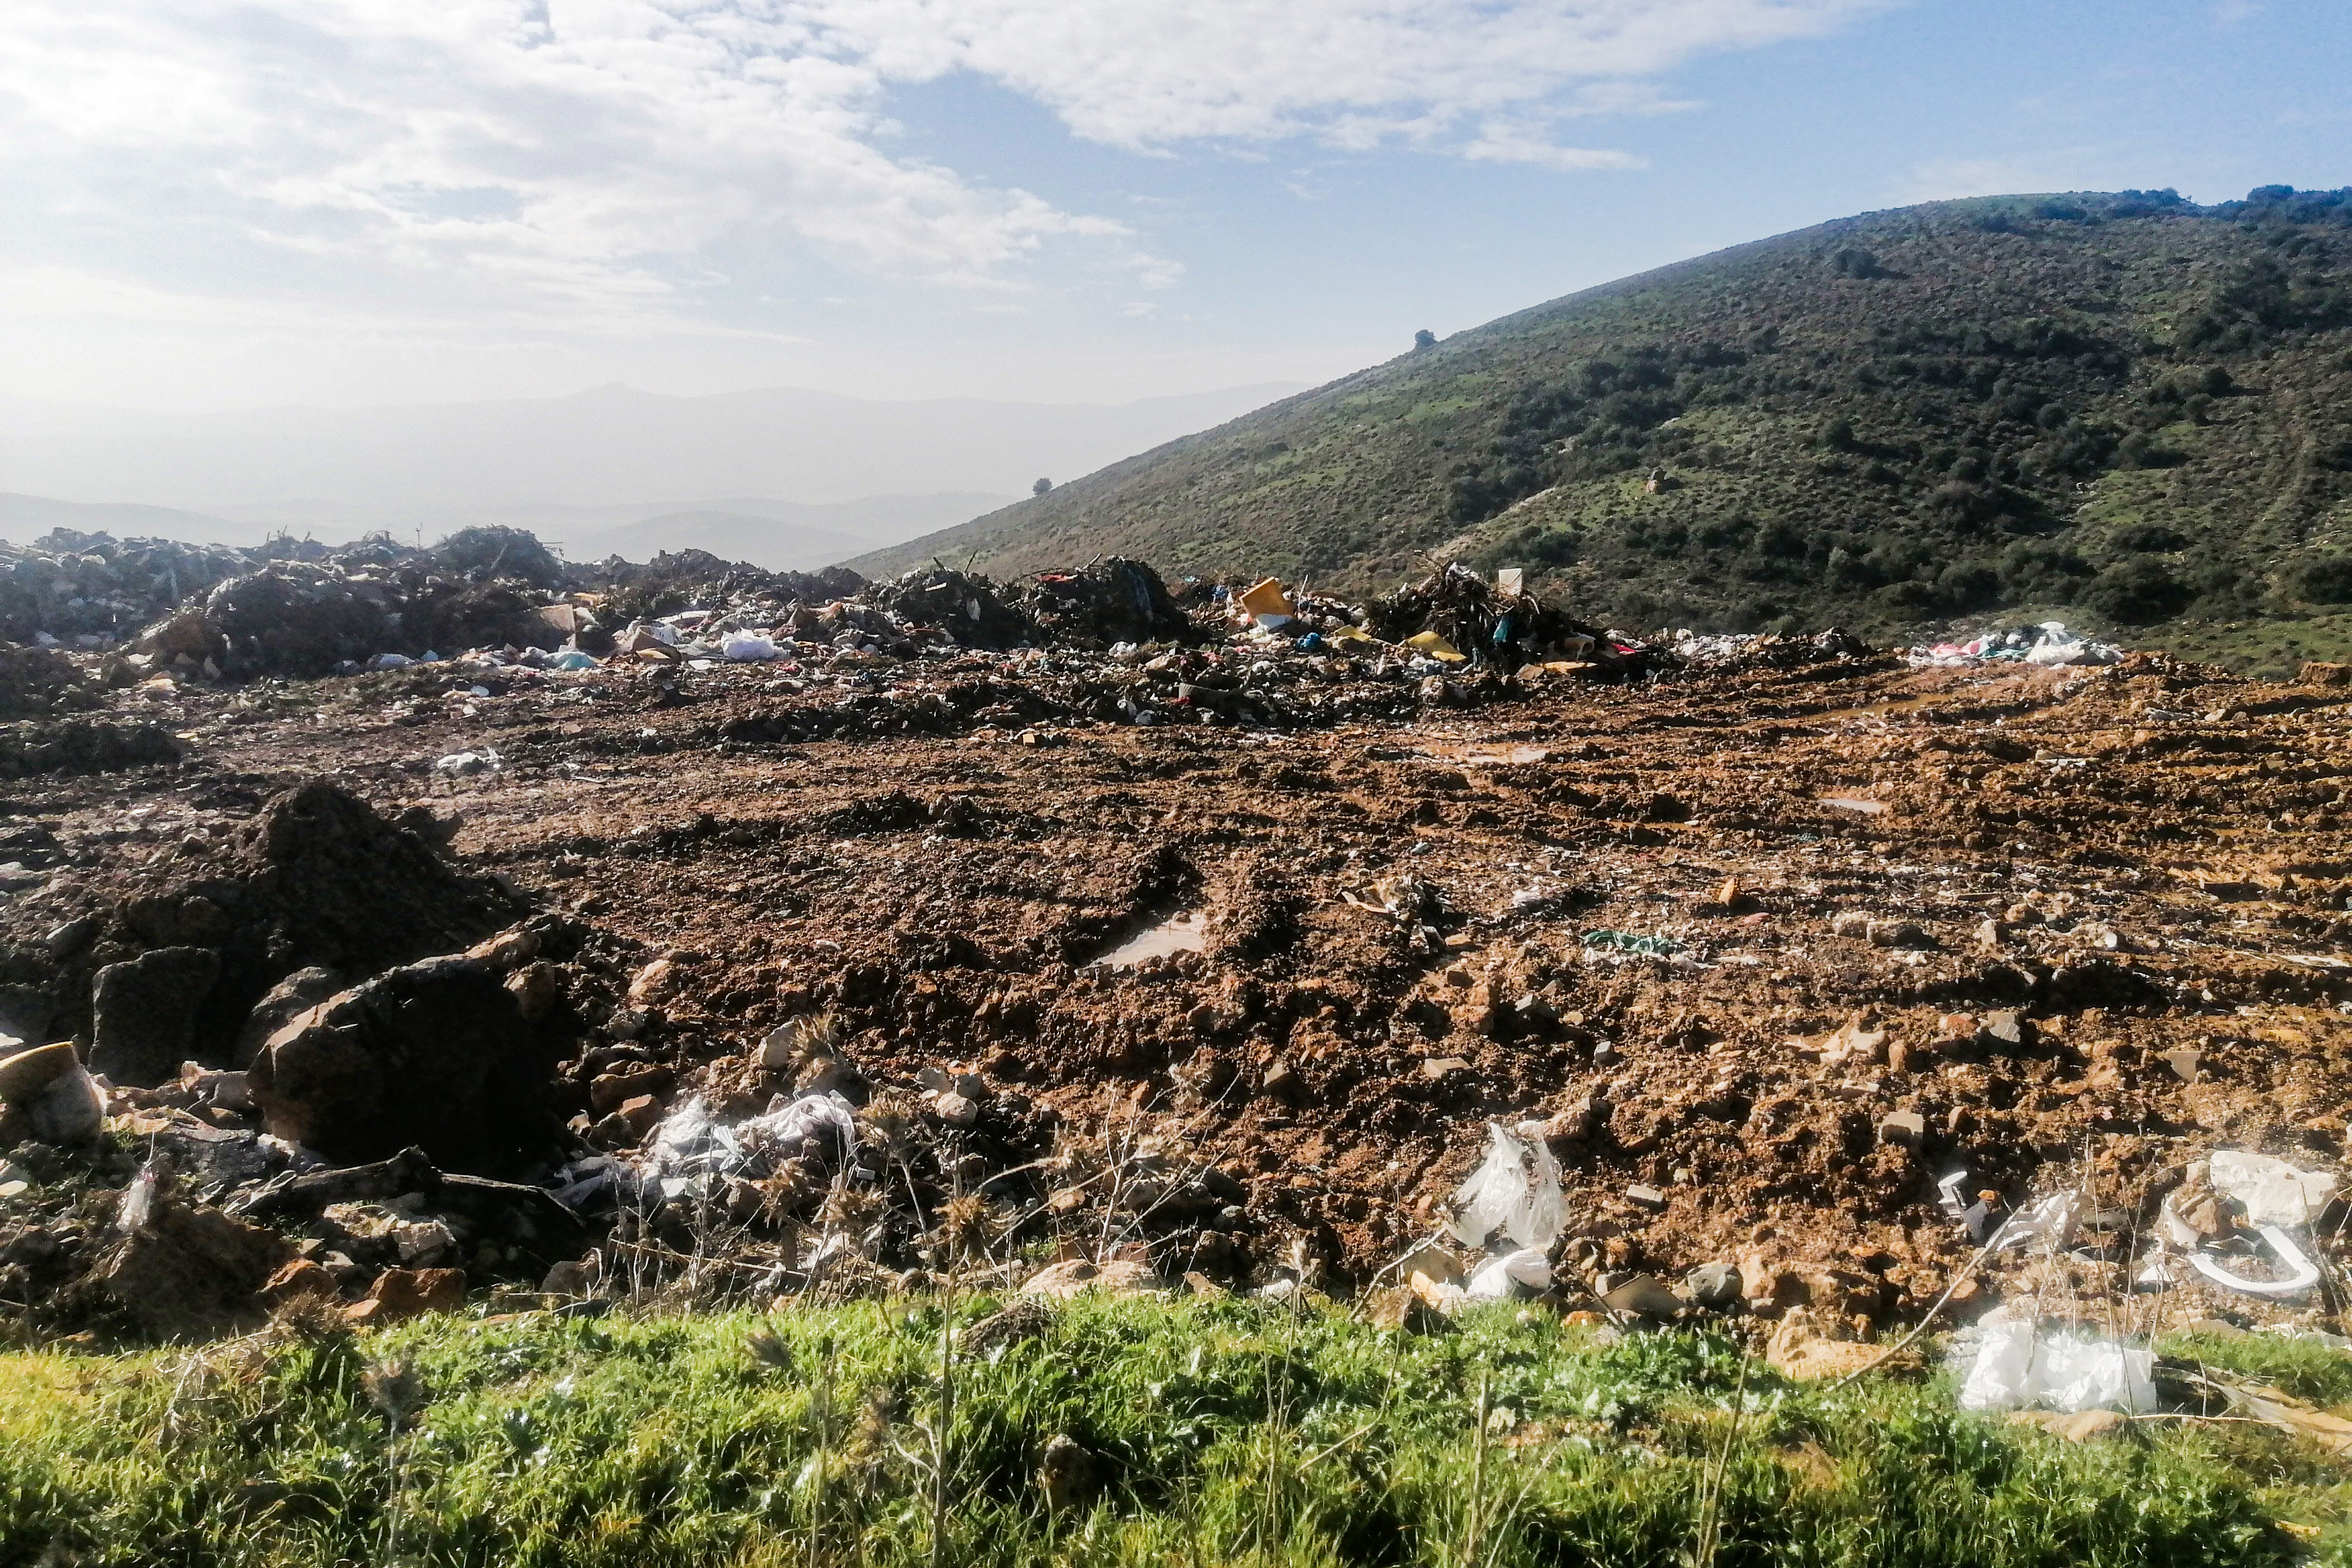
1647,1197
1989,935
1281,1077
2004,1028
2184,1062
1898,933
536,990
400,1293
609,1092
300,1278
1903,1128
1436,1068
956,1109
1850,923
1715,1285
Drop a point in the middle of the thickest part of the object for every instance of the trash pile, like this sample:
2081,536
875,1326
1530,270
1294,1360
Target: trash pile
1108,642
1456,616
1103,604
2049,643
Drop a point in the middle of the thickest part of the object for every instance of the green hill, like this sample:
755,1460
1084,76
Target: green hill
2121,406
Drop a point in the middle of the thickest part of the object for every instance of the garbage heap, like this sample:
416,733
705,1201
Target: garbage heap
1456,615
1105,602
952,606
320,1071
91,590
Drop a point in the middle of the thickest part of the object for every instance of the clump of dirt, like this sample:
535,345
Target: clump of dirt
82,746
337,886
316,879
37,682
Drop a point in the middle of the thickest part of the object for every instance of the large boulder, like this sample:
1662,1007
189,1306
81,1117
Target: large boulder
190,1271
144,1013
436,1055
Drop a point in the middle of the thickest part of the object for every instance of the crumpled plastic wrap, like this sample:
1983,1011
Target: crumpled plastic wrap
1515,1190
2013,1366
2274,1192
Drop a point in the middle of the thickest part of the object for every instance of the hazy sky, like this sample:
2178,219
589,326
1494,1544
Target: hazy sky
227,203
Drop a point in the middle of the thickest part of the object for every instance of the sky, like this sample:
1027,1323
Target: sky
233,204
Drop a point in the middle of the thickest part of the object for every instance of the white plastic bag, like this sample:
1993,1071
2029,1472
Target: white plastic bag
2274,1192
1515,1190
744,647
2000,1376
2094,1374
2013,1368
1494,1281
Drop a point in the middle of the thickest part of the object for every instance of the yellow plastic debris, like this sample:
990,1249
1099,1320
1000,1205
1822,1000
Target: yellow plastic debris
1266,599
1436,647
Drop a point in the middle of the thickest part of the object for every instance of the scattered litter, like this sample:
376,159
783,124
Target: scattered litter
2048,644
465,764
1631,943
2272,1192
1515,1190
1496,1281
2302,1273
2012,1367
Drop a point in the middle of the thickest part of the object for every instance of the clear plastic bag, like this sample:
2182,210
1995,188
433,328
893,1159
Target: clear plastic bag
1515,1190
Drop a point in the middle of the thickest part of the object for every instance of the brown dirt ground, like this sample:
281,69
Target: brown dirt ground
2164,851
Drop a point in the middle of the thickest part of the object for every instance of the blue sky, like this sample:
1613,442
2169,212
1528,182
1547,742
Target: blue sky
219,203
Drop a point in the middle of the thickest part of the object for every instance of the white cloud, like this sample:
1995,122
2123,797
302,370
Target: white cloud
1946,179
1500,143
619,163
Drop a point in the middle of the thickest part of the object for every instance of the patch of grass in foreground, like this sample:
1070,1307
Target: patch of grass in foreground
1215,1432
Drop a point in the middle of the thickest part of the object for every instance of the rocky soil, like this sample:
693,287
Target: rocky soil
1767,951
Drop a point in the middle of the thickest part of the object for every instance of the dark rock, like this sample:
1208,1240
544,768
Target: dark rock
434,1054
192,1271
1715,1285
144,1013
297,993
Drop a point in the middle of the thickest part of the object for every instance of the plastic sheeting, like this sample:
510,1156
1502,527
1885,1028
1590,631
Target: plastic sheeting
689,1147
1494,1281
2011,1366
1515,1190
2274,1192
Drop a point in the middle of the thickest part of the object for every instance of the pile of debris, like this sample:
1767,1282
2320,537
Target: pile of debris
1456,616
2048,643
956,607
1105,602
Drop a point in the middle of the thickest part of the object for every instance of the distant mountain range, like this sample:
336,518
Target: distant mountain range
781,535
403,468
2118,405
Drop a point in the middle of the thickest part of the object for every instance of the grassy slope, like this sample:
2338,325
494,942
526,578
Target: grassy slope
1960,409
1219,1431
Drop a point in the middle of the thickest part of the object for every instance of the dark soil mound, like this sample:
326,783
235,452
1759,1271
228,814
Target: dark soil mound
35,682
347,890
82,746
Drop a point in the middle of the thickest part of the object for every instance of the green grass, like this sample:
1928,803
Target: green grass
1218,1432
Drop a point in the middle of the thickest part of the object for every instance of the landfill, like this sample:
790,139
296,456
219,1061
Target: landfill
398,928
